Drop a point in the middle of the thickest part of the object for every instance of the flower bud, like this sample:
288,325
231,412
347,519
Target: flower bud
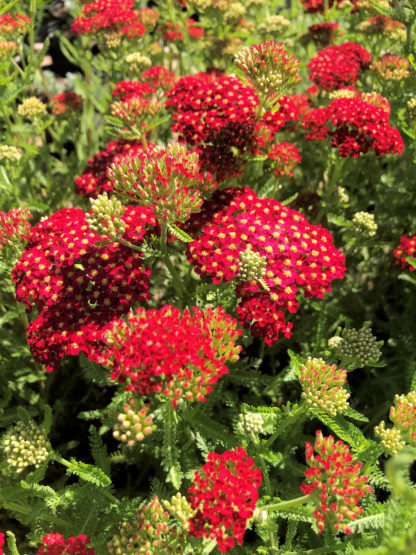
251,422
358,347
26,445
105,216
32,108
363,224
133,424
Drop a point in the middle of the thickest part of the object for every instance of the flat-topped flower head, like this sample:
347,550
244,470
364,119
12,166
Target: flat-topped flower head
31,108
322,386
363,224
334,480
55,544
336,67
169,181
383,25
391,439
179,356
275,247
133,423
270,68
224,496
357,347
406,249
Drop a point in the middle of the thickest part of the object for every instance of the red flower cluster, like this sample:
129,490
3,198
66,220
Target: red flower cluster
392,67
218,114
318,6
224,496
194,31
270,250
355,127
13,25
286,156
110,15
76,285
55,544
2,543
336,67
124,90
407,248
381,24
93,180
66,102
179,355
323,33
14,226
171,32
148,18
159,78
335,481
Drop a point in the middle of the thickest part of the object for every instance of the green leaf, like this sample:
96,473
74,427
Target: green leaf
179,233
99,451
89,473
355,415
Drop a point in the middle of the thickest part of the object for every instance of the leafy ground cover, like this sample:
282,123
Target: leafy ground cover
207,257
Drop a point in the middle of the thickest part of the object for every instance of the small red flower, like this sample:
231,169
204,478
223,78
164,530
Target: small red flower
224,496
407,248
55,544
66,102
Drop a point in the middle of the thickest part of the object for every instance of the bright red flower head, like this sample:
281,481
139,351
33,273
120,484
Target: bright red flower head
355,127
224,496
407,248
179,355
55,544
336,67
335,482
268,251
66,102
2,542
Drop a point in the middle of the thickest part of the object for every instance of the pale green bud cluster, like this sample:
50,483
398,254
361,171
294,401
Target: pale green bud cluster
180,508
364,224
269,67
235,12
137,61
274,24
31,108
26,445
112,41
357,347
411,108
251,422
9,154
341,93
252,265
133,424
322,386
105,217
151,532
390,438
343,195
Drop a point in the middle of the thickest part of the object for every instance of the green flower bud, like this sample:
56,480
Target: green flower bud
251,422
276,24
134,424
31,108
138,62
358,347
363,224
105,216
390,438
26,445
10,154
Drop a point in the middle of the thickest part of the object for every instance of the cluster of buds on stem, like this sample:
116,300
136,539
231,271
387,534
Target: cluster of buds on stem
356,347
133,424
270,68
252,267
251,423
403,416
335,483
105,216
31,108
167,180
276,24
411,109
363,224
392,67
322,386
137,62
26,445
153,530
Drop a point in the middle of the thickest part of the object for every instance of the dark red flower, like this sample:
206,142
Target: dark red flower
66,102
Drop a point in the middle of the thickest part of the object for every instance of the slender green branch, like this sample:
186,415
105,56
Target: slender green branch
286,505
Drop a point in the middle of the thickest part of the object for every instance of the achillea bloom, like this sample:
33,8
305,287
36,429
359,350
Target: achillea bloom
105,217
55,544
411,109
137,61
111,16
7,49
286,157
322,386
336,67
298,255
355,127
318,6
159,78
391,67
13,26
269,67
275,24
335,482
168,180
135,113
155,529
76,285
25,445
2,542
148,17
163,351
171,32
14,228
219,115
93,179
323,33
363,224
66,103
224,497
194,31
407,248
31,108
133,424
403,416
383,25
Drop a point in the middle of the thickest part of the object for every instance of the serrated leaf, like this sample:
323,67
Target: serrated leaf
88,473
355,415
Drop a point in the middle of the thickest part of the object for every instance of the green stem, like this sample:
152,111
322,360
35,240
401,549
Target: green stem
263,466
285,505
288,420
